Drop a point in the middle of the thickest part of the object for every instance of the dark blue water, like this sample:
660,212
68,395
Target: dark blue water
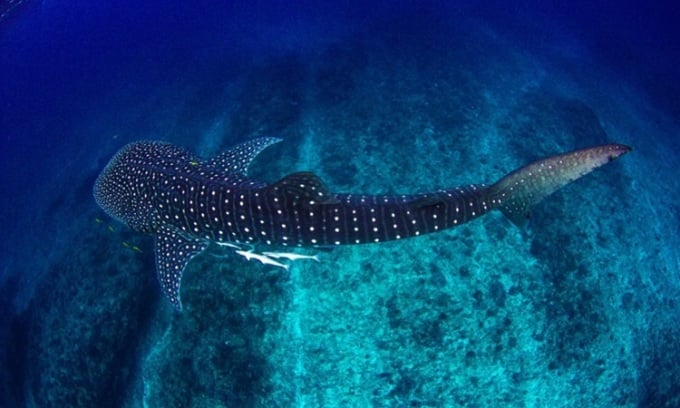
579,309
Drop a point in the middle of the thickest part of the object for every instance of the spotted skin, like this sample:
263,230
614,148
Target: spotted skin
187,202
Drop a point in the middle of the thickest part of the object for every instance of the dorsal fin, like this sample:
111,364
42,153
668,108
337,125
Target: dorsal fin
303,187
237,159
428,200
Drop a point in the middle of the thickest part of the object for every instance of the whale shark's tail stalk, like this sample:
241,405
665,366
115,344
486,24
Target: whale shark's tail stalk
517,192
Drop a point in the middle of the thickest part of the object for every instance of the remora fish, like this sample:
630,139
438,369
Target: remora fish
187,202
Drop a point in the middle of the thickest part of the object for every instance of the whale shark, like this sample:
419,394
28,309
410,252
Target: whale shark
187,202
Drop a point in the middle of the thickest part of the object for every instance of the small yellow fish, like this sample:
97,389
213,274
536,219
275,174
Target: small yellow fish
193,163
112,229
136,249
126,245
98,220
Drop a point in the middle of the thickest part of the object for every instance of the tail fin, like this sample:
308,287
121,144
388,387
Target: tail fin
517,192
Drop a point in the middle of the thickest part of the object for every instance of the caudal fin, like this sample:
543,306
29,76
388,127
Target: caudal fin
517,192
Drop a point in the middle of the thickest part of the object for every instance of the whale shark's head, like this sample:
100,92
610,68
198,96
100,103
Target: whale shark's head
125,188
163,189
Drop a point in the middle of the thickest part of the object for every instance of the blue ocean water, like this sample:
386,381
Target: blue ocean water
578,309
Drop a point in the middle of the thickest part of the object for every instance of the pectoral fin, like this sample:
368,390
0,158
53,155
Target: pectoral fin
237,159
173,253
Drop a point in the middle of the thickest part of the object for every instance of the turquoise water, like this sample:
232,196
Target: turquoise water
578,309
